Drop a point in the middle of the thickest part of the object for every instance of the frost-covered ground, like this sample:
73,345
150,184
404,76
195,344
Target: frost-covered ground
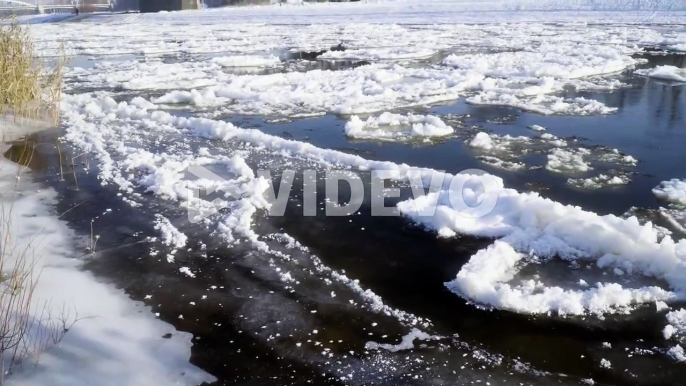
150,97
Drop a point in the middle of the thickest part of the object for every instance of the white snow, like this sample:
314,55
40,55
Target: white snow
673,190
665,73
389,127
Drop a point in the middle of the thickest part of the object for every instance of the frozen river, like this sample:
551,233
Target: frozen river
575,274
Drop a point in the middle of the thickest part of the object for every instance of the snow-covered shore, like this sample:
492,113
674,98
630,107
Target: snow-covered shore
114,341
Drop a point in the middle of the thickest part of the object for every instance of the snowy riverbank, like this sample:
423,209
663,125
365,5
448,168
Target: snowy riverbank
114,341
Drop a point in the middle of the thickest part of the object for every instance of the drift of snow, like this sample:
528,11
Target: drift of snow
389,126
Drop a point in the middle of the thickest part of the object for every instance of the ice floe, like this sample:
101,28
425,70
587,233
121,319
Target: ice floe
379,54
673,190
599,181
246,61
389,127
665,73
568,161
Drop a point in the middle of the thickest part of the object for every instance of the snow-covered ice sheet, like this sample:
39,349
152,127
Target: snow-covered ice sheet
568,161
524,65
246,61
673,190
390,127
600,181
665,73
379,54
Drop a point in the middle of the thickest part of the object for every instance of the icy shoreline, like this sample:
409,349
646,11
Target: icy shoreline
114,340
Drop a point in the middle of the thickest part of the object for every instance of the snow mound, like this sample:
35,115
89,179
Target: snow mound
392,127
673,190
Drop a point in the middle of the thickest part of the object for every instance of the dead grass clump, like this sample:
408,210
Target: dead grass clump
27,86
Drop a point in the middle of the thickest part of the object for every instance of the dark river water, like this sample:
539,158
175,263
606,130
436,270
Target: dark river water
248,326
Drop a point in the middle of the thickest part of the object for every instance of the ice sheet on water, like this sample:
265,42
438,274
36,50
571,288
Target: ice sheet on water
671,73
246,61
600,181
673,190
397,127
376,54
568,160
